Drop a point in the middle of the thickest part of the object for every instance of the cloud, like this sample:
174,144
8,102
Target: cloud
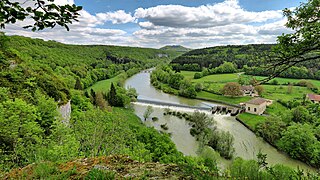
204,16
196,27
117,17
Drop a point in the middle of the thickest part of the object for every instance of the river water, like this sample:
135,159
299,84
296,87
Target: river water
247,145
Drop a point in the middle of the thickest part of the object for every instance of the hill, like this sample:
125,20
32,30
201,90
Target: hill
54,67
214,56
251,59
177,48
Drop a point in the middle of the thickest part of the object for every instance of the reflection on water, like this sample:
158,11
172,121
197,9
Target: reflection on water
247,145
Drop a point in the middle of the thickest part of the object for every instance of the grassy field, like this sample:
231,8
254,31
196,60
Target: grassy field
214,83
104,85
251,120
287,80
231,100
276,92
188,74
276,109
218,78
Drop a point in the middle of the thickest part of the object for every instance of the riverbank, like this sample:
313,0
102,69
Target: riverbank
247,144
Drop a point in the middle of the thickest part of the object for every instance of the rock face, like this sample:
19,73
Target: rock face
65,111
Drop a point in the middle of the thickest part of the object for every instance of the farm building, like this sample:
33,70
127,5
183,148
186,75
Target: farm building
248,90
256,106
313,98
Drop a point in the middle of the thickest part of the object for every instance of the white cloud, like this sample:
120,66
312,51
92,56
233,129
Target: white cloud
196,27
117,17
205,16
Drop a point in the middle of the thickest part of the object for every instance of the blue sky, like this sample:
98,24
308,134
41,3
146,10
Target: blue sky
155,23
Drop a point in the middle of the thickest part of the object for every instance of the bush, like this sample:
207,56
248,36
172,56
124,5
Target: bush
274,82
96,173
197,75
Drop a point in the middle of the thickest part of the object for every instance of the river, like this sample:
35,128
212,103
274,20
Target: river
247,144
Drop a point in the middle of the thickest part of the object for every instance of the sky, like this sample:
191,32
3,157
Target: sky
156,23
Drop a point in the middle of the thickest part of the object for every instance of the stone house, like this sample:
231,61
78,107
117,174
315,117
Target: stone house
256,106
248,90
313,98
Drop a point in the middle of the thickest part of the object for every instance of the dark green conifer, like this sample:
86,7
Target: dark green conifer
78,84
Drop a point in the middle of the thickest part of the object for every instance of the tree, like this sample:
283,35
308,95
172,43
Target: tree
197,75
100,101
290,88
47,109
112,96
186,89
44,14
199,122
271,129
301,114
20,134
92,96
300,142
198,87
78,85
300,46
259,89
148,112
232,89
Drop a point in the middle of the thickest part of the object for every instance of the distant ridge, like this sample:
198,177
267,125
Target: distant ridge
177,48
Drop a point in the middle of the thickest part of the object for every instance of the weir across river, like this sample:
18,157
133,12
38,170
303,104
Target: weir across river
212,109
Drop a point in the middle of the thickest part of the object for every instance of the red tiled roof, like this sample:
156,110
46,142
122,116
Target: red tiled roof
314,97
257,101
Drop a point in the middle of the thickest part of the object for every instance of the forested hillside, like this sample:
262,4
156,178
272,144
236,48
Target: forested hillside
55,67
214,56
177,48
250,59
37,76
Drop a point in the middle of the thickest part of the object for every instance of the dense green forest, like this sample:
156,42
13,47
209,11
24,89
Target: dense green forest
251,59
37,76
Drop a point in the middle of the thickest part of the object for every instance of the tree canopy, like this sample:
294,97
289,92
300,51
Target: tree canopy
303,44
45,14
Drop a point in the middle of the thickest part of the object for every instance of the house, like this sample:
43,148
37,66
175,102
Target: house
256,106
248,90
313,98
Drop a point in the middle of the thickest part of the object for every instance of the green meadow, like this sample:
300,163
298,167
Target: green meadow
104,85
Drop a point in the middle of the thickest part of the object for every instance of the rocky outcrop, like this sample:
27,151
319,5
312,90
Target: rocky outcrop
65,111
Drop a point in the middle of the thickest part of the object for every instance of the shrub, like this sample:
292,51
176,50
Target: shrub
197,75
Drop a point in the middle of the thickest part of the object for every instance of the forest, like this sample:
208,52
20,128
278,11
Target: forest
251,59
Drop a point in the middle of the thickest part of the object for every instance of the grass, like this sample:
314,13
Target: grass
277,92
251,120
217,78
276,109
231,100
287,80
104,85
188,74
